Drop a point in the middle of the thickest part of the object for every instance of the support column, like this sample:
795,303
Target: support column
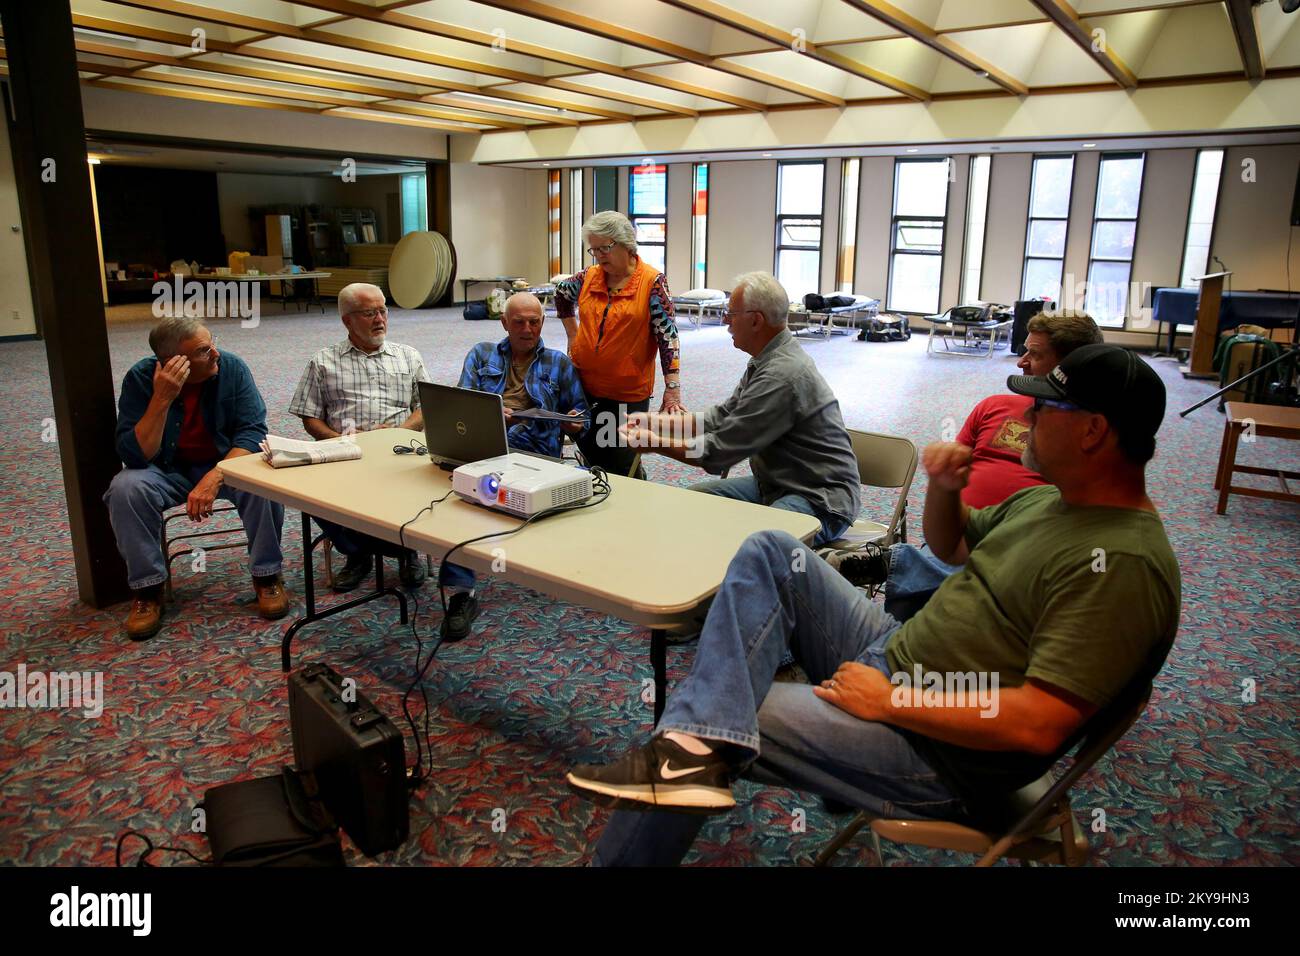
43,110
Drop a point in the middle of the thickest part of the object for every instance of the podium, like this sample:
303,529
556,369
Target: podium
1205,334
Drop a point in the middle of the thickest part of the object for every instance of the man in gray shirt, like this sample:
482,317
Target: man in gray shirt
782,416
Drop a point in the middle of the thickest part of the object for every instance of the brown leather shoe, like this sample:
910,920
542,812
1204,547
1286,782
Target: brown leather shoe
145,619
272,600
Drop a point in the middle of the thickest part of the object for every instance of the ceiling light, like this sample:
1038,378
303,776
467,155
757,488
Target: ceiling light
546,164
93,160
982,74
912,150
767,155
1089,145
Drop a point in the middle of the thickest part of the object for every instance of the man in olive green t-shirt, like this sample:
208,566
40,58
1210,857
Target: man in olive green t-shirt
1069,596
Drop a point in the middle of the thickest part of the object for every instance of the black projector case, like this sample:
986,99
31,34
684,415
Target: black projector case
356,755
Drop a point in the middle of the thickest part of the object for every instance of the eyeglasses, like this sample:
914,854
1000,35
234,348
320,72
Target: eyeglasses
1041,403
733,312
601,250
206,352
369,314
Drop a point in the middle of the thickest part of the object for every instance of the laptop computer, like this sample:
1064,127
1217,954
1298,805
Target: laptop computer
461,424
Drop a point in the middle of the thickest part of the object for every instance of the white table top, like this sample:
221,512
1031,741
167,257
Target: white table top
244,276
650,554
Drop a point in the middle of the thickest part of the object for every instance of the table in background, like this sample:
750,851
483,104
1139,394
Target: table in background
1269,310
1268,421
607,557
506,282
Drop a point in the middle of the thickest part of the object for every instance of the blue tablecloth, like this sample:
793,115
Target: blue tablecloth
1271,310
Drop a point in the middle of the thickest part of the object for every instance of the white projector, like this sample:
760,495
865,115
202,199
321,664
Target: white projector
521,484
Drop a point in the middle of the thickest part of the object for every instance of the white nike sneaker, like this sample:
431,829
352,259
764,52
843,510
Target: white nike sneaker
661,775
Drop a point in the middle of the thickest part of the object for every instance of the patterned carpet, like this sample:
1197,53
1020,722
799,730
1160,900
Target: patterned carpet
1203,779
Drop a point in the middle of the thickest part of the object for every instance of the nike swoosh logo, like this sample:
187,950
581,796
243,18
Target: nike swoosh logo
669,774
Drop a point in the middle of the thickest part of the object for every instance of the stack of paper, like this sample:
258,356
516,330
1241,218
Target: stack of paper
288,452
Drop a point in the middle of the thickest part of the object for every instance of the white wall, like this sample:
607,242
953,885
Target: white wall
1253,218
1004,239
742,219
677,265
17,317
875,215
498,222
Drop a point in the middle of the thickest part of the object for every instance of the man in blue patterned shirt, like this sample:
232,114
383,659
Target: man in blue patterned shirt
526,374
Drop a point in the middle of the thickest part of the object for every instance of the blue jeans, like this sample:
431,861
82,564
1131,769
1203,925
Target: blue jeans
137,498
767,604
914,575
353,543
746,489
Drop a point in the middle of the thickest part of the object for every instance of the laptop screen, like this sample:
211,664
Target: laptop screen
461,424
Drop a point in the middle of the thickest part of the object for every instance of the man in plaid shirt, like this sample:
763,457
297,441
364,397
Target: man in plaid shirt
360,384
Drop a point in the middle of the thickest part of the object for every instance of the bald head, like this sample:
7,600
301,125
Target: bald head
522,321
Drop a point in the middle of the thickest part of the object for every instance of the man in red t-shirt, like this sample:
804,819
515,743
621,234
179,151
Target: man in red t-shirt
996,432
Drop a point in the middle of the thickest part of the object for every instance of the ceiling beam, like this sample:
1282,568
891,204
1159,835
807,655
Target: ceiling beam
1245,27
1067,19
320,98
335,84
729,17
437,28
905,23
140,32
611,31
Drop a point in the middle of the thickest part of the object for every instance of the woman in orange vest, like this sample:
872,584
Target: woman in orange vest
624,320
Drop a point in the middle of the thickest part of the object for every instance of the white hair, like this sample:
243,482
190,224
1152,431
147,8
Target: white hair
761,292
349,295
166,337
613,224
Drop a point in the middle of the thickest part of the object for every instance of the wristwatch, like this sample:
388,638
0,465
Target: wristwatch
667,386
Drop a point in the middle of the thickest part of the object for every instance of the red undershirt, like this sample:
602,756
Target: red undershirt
194,446
996,431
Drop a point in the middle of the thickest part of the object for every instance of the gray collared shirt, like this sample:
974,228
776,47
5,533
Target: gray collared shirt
786,420
344,386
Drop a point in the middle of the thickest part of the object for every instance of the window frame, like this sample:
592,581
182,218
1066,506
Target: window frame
894,218
701,219
820,216
1092,234
845,209
1191,199
1030,219
633,215
965,267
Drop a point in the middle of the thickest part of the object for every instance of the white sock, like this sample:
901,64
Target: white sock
690,744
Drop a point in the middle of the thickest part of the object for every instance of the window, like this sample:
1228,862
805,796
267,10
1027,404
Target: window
977,208
576,260
415,205
1114,231
851,170
1049,221
916,258
799,197
1200,218
553,220
648,210
699,226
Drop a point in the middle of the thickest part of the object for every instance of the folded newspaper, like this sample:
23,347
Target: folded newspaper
288,452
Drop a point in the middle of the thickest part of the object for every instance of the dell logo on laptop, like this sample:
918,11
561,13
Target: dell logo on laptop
460,428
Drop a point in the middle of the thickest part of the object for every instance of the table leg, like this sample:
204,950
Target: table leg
659,661
309,587
1229,460
1223,456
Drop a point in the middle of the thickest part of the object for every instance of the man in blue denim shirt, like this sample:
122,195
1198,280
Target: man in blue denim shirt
179,414
526,374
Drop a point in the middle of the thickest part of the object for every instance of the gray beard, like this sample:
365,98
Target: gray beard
1028,460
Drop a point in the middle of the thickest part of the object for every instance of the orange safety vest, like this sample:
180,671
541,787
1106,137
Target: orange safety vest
615,348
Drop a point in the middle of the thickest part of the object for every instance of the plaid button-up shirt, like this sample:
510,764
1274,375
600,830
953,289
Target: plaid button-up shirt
352,391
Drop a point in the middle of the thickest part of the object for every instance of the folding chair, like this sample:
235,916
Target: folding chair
219,527
884,461
1044,831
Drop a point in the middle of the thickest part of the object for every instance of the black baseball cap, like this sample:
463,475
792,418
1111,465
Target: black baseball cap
1105,379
